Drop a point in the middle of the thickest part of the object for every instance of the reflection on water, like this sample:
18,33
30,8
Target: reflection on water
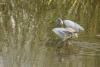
78,54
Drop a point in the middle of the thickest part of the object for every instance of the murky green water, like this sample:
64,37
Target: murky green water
26,39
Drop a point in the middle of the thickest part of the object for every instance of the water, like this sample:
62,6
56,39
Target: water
27,40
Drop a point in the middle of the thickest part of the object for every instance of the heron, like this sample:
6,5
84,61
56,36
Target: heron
65,33
69,32
71,24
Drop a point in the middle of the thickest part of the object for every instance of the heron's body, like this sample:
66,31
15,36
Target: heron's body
72,24
65,33
70,31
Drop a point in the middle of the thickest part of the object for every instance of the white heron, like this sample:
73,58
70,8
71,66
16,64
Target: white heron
71,24
70,31
65,33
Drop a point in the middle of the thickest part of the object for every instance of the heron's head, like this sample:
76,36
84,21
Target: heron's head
59,21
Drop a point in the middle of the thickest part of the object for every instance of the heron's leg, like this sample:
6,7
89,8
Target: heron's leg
65,43
68,42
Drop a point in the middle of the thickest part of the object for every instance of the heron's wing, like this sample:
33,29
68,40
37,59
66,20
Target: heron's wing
59,32
63,33
67,32
72,24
